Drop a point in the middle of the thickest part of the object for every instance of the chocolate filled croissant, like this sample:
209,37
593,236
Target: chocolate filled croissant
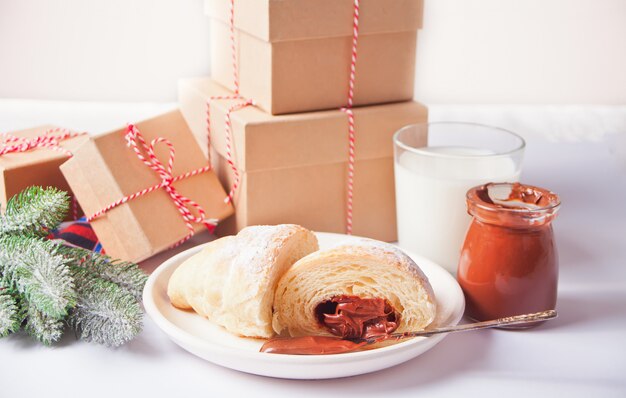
233,279
357,290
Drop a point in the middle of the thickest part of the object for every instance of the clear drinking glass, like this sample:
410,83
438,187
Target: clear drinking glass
435,165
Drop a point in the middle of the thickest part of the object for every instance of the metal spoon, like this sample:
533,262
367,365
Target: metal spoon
319,345
495,323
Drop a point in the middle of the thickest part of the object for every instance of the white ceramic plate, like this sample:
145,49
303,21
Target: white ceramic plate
211,342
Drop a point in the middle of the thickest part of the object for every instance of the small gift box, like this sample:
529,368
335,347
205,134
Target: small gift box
296,56
146,187
294,168
33,156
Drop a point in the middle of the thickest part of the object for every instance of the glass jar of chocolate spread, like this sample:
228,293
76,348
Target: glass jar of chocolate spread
509,262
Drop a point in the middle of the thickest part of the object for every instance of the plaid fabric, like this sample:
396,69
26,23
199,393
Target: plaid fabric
77,233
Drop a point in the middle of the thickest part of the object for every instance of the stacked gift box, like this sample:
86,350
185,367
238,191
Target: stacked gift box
295,56
288,156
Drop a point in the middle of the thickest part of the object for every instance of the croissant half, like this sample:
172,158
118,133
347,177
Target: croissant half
233,279
366,270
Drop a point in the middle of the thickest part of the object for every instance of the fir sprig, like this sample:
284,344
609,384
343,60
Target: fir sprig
34,211
10,313
38,272
105,313
125,274
42,327
45,286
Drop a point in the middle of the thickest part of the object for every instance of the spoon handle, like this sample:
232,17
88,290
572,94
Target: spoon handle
323,345
510,320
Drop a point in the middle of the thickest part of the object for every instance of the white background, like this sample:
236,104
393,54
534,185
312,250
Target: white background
470,51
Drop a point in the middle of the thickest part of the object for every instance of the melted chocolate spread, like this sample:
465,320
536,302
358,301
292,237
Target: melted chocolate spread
347,317
310,345
352,317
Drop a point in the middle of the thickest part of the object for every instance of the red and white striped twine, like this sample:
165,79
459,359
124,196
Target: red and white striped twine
233,47
348,110
228,129
50,139
184,205
229,145
240,105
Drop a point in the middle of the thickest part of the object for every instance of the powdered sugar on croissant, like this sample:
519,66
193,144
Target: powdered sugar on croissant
233,279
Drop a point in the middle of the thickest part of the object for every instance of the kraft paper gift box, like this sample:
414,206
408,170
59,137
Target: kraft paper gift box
37,166
106,169
294,56
294,167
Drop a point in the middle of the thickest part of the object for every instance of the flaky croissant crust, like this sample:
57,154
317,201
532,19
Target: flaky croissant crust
367,269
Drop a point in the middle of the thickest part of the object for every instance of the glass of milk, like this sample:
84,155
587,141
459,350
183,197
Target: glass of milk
435,165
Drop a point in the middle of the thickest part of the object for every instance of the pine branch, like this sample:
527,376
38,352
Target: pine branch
37,271
43,285
42,327
34,211
105,312
125,274
11,316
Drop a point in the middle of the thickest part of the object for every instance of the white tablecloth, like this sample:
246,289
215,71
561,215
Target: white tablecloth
581,354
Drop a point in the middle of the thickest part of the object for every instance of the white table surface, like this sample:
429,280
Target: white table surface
581,354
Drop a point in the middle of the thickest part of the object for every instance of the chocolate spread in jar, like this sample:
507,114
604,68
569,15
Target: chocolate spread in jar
347,317
509,262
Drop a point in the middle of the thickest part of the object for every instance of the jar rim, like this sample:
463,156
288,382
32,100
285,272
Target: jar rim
472,195
491,212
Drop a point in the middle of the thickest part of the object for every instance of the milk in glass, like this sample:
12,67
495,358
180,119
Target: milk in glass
430,197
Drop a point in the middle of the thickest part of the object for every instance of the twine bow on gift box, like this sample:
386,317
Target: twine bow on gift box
50,139
184,205
248,102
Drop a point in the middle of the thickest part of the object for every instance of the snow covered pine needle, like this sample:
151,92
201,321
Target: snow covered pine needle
45,286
